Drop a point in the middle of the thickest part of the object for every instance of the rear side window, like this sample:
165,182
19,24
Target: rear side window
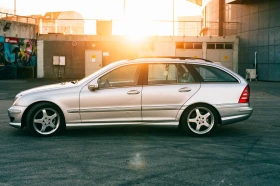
162,74
168,74
212,74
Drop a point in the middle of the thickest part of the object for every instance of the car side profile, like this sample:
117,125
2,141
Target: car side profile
194,94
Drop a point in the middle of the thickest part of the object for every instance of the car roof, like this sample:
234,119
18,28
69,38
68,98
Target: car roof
175,58
172,59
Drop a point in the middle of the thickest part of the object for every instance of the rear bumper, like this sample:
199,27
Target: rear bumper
232,113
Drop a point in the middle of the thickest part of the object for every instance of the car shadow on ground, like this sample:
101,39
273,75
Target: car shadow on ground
137,131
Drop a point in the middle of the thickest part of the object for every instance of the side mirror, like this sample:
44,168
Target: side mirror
93,87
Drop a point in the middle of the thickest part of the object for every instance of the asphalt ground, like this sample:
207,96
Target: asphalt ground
245,153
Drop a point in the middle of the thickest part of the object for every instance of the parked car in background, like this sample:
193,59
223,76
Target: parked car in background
194,94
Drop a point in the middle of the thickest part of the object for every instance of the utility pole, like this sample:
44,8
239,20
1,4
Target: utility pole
173,17
15,7
124,9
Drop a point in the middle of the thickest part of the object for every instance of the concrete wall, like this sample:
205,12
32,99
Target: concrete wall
19,30
74,47
118,48
259,31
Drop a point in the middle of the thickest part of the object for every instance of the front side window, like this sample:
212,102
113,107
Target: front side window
212,74
120,77
168,74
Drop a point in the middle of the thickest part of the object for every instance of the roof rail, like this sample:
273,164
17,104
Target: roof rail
175,57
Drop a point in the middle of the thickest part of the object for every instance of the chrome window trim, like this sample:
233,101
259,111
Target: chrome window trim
174,84
120,87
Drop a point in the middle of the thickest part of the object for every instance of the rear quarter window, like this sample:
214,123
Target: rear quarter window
212,74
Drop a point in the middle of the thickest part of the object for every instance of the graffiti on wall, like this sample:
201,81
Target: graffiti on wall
16,54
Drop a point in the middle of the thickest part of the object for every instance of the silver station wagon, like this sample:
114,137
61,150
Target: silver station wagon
194,94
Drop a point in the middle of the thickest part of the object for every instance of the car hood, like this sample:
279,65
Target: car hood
46,88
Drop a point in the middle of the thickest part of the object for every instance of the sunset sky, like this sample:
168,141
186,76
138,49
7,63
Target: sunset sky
106,9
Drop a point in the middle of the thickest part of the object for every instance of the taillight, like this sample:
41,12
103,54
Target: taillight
244,98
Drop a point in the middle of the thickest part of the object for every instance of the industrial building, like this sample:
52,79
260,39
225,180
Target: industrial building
240,34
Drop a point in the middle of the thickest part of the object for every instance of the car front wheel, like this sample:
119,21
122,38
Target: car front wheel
199,120
45,119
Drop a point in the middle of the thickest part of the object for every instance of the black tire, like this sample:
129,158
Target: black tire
45,119
199,120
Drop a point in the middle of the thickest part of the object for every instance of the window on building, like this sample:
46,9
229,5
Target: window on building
219,45
210,45
197,46
180,45
188,45
228,46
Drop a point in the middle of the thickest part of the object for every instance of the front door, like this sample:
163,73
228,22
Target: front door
118,98
93,61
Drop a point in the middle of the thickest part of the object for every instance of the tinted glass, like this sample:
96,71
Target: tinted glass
212,74
122,76
180,45
169,74
210,46
197,45
184,75
188,45
162,74
228,46
219,46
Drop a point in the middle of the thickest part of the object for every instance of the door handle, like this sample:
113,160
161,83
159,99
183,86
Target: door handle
185,89
133,92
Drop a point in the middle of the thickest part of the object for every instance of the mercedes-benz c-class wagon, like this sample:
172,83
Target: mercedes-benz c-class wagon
194,94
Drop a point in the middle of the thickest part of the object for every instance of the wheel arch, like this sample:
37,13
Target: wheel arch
23,119
200,104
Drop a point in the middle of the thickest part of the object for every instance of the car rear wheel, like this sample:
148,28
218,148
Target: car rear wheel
45,119
199,120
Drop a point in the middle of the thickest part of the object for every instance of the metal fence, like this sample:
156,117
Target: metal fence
139,28
17,18
126,27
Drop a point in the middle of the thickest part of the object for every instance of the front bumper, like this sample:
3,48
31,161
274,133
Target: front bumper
233,113
15,114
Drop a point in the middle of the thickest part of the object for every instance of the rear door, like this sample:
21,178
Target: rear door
167,87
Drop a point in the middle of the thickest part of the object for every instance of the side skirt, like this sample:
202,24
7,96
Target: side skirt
148,123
